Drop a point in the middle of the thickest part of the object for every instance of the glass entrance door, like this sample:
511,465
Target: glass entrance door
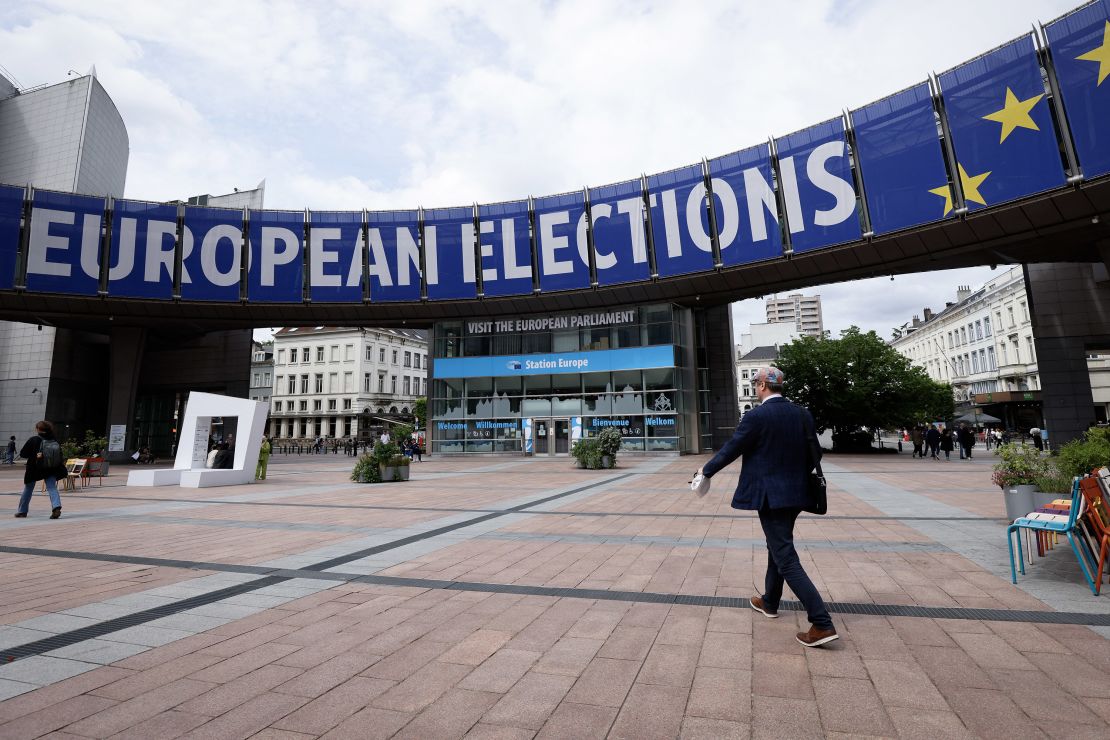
561,429
551,437
541,430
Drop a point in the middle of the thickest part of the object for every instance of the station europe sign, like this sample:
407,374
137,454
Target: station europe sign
804,191
595,361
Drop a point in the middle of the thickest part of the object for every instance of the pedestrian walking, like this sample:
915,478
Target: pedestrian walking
966,439
263,459
918,439
1035,433
946,443
44,462
932,441
11,450
780,449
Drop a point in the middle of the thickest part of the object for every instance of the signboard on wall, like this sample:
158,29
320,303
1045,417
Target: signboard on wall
117,437
598,361
200,442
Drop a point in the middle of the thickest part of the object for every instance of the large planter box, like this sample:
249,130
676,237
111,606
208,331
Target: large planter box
1019,500
389,473
1044,498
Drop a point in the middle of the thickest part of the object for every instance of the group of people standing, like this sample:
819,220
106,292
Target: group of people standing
933,439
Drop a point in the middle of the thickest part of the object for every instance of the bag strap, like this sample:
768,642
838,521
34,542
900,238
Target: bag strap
811,440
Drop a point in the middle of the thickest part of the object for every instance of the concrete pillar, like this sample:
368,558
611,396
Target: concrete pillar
720,351
125,361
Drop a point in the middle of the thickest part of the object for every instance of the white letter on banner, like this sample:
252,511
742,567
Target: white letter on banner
375,257
271,257
832,184
489,274
467,248
508,252
791,195
212,240
186,250
549,243
603,261
730,213
431,255
760,196
90,245
354,273
320,257
156,257
407,247
42,242
126,259
581,241
670,222
633,208
694,205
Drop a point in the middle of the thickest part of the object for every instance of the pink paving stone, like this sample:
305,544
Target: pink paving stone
370,723
452,715
579,721
721,693
904,684
51,718
499,732
243,663
50,695
128,713
784,676
476,648
143,681
991,651
725,650
669,665
650,712
991,714
171,724
327,711
422,688
605,682
227,696
501,671
775,717
928,724
407,660
700,728
569,656
327,675
851,705
530,702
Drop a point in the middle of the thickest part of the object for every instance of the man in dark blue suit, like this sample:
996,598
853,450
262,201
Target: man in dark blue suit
778,442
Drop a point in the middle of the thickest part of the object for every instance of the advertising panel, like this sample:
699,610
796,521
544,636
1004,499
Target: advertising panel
505,250
563,252
744,206
275,271
620,244
679,221
335,256
211,254
11,209
142,253
449,253
393,255
63,252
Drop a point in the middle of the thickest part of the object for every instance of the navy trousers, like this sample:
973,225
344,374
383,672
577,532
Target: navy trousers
783,566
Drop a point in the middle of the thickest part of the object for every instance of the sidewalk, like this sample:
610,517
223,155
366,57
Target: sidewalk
519,598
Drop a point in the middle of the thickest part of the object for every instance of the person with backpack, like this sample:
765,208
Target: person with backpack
45,463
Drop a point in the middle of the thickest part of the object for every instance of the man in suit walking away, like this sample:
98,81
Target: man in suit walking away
775,440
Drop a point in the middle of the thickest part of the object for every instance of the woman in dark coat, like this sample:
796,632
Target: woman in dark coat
946,443
36,472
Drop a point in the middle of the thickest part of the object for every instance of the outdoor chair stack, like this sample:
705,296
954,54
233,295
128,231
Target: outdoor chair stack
1057,524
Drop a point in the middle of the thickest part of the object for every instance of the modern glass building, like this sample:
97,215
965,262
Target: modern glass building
535,384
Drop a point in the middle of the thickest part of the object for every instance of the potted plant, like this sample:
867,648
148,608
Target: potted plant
399,464
366,470
384,453
1016,473
580,449
609,441
1052,484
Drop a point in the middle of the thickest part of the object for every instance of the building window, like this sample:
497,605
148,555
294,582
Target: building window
369,353
1002,352
288,405
304,384
381,383
304,354
1024,312
987,325
316,405
346,404
366,382
319,382
266,380
381,354
319,354
416,360
990,358
963,336
278,384
281,357
743,374
1010,311
333,382
277,407
408,359
257,379
304,406
348,382
407,385
950,345
331,404
335,353
292,355
393,382
1029,344
348,352
978,329
974,362
394,357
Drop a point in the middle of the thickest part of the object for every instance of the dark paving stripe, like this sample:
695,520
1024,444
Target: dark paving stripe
276,575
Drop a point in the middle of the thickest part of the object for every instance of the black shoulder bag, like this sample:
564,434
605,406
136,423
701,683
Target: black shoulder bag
815,479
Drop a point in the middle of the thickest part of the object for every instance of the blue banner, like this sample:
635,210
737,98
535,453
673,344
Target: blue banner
505,249
11,210
393,255
1001,127
211,254
598,361
143,250
63,253
817,187
744,206
1080,44
275,271
335,256
901,161
620,244
563,253
449,253
679,221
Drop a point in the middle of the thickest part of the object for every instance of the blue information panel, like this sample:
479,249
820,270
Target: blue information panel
143,249
505,249
817,187
63,253
335,256
393,255
620,245
900,158
563,251
744,206
211,254
679,221
276,267
1001,126
449,253
1080,44
605,360
11,209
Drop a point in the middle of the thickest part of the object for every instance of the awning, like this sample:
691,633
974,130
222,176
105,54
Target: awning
978,417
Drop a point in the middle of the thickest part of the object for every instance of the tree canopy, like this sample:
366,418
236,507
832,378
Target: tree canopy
860,381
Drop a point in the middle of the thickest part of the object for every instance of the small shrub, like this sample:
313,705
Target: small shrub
1053,480
384,452
1019,465
609,441
1081,456
366,470
398,461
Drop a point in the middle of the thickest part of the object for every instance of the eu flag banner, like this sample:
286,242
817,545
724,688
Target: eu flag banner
563,252
11,209
744,206
900,158
679,221
449,253
393,255
1080,44
505,248
620,245
817,187
143,249
335,256
63,252
1001,127
212,254
276,267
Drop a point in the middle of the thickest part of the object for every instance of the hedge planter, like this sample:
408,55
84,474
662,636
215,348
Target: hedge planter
391,473
1019,500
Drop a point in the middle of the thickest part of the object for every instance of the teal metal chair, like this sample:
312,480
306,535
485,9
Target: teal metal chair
1066,528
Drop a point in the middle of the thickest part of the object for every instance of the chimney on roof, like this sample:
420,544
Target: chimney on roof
916,322
949,304
928,313
962,292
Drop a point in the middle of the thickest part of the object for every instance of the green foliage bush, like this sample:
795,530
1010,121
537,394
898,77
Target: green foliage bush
1019,465
1081,456
366,470
609,441
588,452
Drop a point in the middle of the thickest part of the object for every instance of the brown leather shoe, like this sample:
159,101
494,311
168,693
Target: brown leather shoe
757,604
816,636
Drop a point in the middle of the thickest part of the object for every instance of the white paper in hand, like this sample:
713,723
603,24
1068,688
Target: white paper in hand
700,484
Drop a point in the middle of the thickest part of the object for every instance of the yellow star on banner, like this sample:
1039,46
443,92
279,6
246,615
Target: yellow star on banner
945,192
1100,54
970,185
1014,114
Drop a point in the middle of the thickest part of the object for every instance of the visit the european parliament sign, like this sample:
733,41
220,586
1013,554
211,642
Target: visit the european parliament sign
987,132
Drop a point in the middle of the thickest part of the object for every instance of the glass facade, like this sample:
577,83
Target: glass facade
617,370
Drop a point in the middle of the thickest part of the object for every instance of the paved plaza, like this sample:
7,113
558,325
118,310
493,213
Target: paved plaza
519,598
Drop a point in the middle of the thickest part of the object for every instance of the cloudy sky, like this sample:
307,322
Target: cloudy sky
355,104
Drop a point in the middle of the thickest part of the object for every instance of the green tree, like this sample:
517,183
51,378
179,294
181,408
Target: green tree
859,381
420,411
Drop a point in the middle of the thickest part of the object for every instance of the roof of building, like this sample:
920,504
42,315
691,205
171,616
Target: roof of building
761,353
304,331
